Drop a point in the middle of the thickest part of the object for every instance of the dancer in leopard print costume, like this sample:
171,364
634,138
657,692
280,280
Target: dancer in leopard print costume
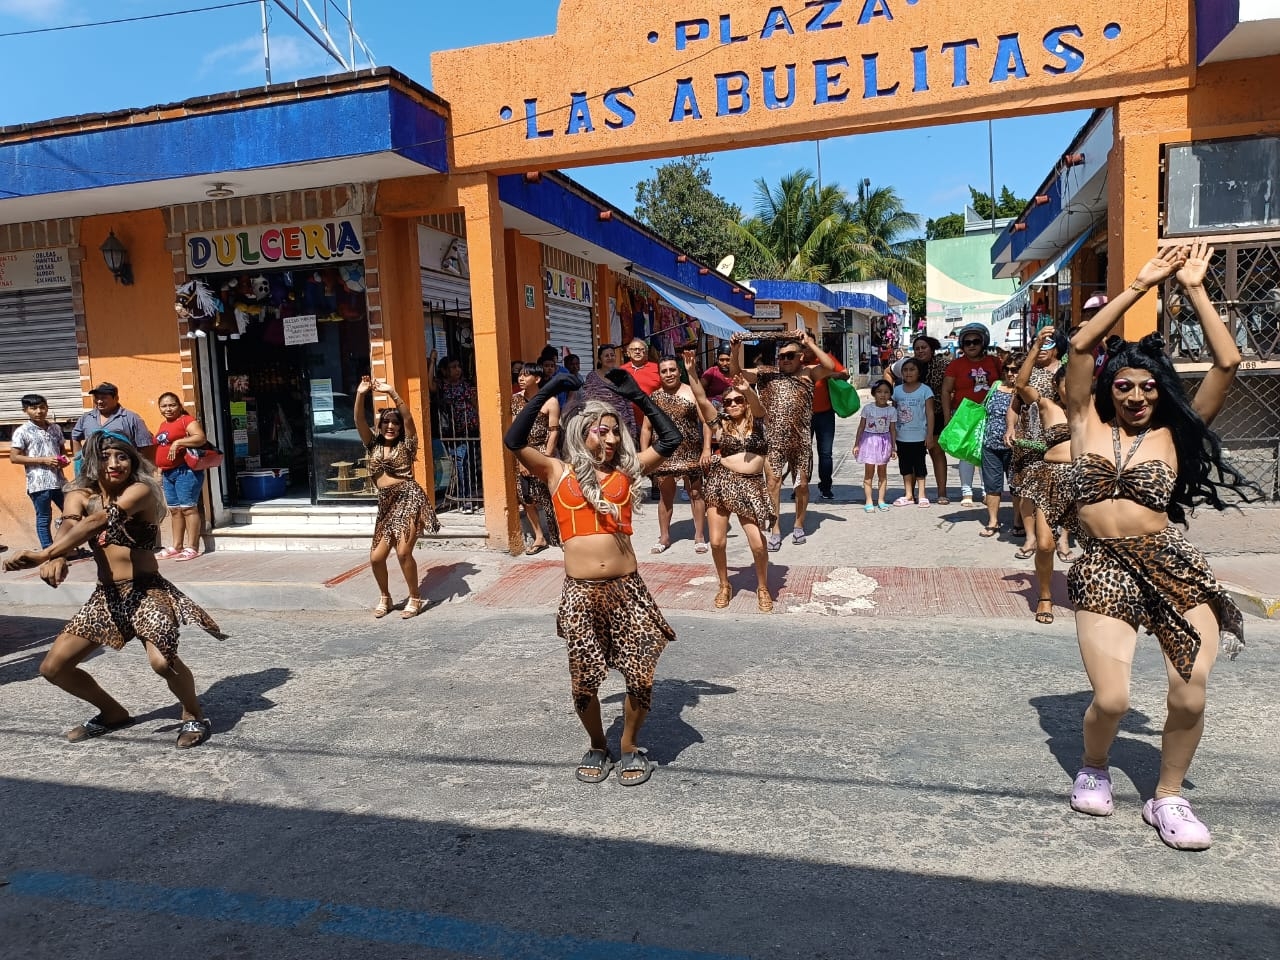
787,395
607,617
1143,456
114,506
532,492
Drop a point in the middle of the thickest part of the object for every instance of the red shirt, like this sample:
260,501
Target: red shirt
821,398
647,379
715,382
974,378
168,432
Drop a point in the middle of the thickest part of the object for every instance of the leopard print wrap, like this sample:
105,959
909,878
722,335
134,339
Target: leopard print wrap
403,511
148,606
788,416
684,414
1151,581
736,493
611,623
1051,487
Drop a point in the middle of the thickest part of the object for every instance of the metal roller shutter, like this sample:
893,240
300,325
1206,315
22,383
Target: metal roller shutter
570,326
447,287
38,330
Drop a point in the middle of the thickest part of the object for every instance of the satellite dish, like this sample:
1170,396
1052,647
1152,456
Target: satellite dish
726,266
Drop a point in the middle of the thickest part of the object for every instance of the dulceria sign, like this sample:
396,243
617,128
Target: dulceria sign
643,77
274,246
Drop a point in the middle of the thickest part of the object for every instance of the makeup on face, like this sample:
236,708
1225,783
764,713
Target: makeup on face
1124,387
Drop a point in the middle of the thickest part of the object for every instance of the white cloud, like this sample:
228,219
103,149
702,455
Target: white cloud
44,11
290,58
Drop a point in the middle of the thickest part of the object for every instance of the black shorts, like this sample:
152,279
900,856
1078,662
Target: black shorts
911,458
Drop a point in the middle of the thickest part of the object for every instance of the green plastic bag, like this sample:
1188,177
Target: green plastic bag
844,397
962,436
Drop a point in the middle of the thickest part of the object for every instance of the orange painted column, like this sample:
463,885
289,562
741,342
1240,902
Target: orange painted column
490,311
402,329
1133,214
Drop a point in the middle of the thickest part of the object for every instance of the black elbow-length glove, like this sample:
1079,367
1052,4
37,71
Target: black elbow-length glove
667,435
517,435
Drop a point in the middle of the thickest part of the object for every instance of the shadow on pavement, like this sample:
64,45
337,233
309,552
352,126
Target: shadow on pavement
666,726
227,701
1061,717
445,582
240,880
30,636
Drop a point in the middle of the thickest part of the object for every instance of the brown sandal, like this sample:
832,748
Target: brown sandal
723,596
764,602
1047,616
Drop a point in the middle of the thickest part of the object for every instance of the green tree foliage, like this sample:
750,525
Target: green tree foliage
952,225
679,205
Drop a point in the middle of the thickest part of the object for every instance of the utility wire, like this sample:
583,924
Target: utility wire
150,16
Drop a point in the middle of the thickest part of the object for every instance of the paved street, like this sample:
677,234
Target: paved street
826,788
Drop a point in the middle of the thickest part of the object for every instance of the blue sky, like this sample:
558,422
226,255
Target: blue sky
161,61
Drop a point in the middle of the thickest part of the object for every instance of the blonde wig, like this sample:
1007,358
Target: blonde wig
584,465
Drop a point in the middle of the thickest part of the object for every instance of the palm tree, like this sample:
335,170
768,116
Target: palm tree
792,235
882,241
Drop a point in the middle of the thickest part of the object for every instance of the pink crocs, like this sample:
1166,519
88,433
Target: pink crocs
1091,793
1178,826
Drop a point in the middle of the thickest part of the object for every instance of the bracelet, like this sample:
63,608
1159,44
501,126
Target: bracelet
1137,287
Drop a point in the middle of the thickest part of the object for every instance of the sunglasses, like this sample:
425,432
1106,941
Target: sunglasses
1126,386
733,402
789,355
970,343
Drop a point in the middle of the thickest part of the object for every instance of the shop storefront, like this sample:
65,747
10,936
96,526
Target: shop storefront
38,330
283,355
570,301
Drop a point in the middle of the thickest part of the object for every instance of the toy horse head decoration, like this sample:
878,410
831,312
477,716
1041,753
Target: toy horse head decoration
196,304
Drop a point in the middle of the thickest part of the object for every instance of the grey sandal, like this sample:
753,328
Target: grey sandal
634,763
598,760
198,727
95,726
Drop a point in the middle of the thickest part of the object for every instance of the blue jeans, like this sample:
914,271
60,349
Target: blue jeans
44,501
824,431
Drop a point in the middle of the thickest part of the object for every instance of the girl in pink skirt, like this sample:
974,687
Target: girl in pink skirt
876,442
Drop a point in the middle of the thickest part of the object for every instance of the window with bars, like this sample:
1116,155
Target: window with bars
1244,284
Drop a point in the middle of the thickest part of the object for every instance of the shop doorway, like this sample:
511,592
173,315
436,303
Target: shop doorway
290,352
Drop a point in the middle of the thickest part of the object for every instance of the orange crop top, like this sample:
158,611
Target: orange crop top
578,518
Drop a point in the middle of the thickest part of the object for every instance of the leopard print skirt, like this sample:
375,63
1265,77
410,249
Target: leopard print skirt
539,496
1051,488
148,606
611,623
745,496
403,510
796,462
1151,581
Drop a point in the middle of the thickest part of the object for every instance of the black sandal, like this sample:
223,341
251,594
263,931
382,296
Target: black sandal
199,727
1046,617
95,726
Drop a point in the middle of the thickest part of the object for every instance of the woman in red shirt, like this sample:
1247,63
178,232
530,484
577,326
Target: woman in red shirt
182,485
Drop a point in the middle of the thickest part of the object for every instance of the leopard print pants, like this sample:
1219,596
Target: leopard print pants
403,508
745,496
1151,581
148,606
796,462
611,623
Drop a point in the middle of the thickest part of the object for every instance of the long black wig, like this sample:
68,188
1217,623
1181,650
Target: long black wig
1202,470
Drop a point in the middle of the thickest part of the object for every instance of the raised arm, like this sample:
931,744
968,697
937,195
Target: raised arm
1212,395
826,365
516,439
666,435
1168,259
753,398
706,409
1022,383
362,424
735,359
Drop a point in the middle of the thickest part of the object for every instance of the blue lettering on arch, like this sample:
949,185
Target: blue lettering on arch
874,8
726,31
624,113
825,81
1009,62
776,19
960,66
579,115
768,80
871,80
739,91
531,131
821,20
688,31
686,102
1072,58
920,69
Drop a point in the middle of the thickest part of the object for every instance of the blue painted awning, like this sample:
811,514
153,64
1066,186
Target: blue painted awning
714,321
1015,304
803,291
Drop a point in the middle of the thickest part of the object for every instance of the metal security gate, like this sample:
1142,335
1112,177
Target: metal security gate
570,326
38,331
455,432
1244,284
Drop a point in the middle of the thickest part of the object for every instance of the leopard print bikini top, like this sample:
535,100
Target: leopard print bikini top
1058,433
1149,483
126,531
731,443
395,461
